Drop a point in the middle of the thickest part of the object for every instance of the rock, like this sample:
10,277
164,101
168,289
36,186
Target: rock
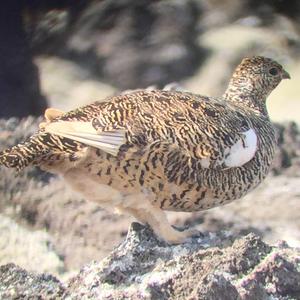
130,43
288,154
20,94
17,283
215,266
28,248
67,85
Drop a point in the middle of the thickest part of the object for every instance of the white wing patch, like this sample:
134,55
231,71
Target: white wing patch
242,151
84,132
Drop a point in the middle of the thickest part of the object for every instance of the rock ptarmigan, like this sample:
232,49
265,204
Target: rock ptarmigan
148,151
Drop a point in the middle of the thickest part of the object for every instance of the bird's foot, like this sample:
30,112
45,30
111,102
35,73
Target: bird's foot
173,236
192,232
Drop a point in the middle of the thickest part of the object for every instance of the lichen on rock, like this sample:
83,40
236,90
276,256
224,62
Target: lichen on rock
218,266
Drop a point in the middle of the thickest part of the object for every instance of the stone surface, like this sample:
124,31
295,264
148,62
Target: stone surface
28,248
17,283
213,266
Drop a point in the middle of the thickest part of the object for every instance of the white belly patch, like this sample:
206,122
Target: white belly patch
242,151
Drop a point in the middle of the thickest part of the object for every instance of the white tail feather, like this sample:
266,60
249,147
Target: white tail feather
84,132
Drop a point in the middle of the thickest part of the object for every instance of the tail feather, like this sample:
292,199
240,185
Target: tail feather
23,154
37,147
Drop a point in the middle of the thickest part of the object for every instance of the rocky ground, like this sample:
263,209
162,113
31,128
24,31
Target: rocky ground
215,266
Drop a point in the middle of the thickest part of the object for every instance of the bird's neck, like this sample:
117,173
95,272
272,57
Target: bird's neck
248,98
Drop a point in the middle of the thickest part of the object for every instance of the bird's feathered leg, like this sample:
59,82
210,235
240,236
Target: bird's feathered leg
157,219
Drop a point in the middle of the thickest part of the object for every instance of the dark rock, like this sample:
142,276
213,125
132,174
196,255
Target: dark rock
20,93
277,274
214,286
249,250
130,43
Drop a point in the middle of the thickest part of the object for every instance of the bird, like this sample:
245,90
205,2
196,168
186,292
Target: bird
146,152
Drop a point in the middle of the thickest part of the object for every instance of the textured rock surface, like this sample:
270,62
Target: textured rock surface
27,248
211,267
16,283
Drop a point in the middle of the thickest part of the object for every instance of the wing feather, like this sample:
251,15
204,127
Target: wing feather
84,132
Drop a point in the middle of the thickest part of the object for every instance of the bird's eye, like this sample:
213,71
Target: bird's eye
273,71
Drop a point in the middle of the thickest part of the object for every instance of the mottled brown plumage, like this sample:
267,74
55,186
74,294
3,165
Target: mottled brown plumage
148,151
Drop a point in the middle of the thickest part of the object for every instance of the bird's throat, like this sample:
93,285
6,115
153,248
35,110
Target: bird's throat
251,99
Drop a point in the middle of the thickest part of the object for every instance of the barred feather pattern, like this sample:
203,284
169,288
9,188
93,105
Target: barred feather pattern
39,147
163,151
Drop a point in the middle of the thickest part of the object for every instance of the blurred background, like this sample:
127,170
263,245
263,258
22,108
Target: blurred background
64,54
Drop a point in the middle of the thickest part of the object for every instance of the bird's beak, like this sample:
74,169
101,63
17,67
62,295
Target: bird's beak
285,75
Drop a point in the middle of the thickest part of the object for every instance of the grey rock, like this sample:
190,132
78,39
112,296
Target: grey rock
217,266
213,266
288,154
27,248
17,283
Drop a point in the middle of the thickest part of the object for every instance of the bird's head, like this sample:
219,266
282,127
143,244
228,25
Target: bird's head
254,79
259,72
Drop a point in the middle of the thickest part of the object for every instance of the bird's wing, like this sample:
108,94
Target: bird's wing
205,130
85,133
